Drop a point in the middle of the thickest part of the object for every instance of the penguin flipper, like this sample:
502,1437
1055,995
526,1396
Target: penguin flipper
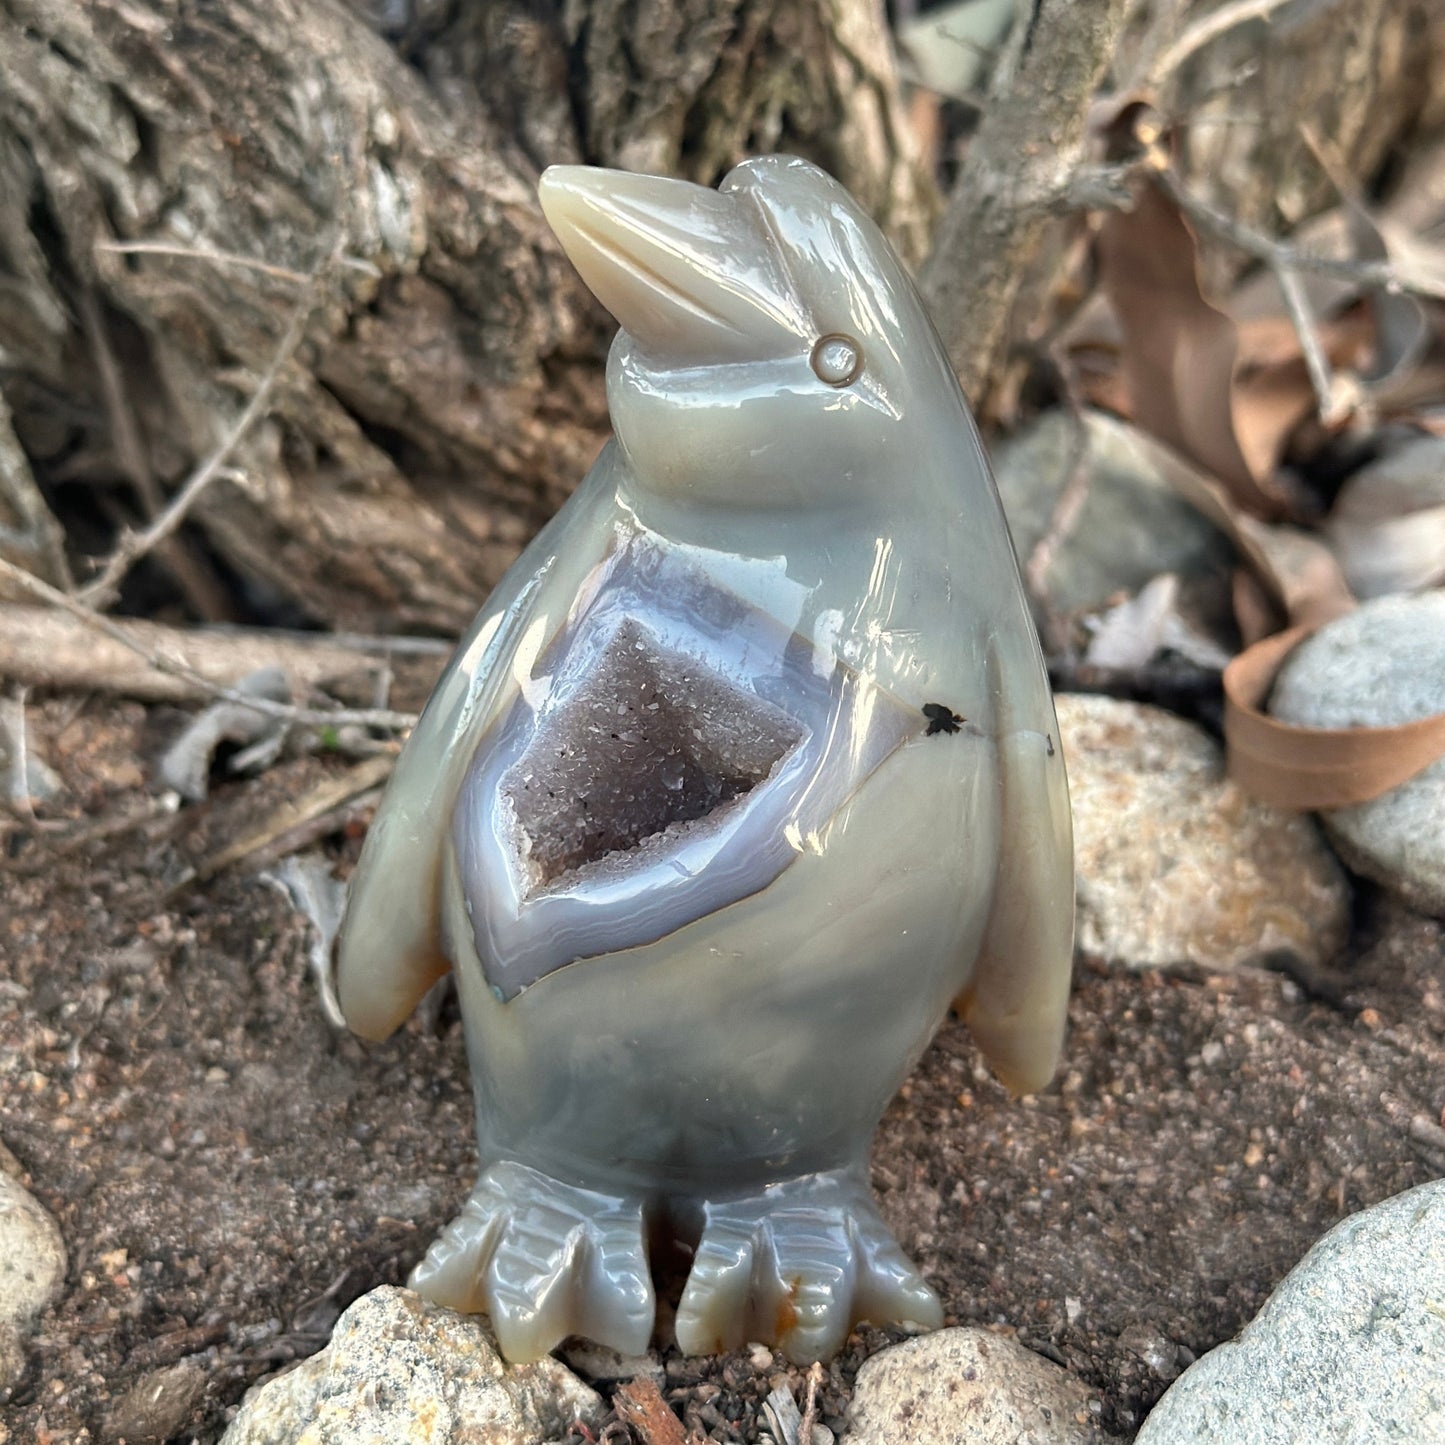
1016,1002
388,953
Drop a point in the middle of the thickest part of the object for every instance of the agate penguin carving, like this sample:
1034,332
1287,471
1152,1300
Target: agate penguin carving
684,815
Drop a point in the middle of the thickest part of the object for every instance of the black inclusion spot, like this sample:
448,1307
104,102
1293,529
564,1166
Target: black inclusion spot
941,718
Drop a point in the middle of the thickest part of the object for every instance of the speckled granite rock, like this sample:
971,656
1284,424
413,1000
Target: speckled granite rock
968,1387
1381,665
402,1371
1350,1348
32,1268
1173,862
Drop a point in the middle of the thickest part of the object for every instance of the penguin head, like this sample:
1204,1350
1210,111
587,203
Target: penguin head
773,352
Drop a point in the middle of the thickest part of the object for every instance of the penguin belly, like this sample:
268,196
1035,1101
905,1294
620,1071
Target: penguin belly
693,891
765,1038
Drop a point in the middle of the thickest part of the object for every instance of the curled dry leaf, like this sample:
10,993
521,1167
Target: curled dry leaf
1131,635
1181,357
320,897
1308,768
186,764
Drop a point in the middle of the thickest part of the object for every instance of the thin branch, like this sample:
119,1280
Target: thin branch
1203,32
19,749
310,717
44,647
810,1405
1316,363
1032,138
230,258
1282,256
198,584
133,547
294,822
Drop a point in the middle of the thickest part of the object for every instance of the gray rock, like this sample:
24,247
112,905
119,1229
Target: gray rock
1350,1348
32,1269
402,1371
968,1385
1133,525
1380,665
1387,526
1174,863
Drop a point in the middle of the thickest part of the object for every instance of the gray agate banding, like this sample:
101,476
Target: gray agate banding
747,770
675,749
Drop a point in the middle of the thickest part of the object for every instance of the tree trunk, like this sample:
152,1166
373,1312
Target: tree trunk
1359,75
447,393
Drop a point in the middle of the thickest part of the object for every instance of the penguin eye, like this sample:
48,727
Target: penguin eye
837,359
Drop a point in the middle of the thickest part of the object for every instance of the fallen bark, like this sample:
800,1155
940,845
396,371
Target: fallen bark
42,648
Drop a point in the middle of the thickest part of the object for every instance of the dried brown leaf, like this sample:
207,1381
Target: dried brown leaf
1181,357
1307,768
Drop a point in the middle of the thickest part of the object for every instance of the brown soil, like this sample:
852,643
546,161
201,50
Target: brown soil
229,1172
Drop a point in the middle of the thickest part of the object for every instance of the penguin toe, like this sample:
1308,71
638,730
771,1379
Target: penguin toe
797,1266
544,1260
890,1288
814,1280
712,1315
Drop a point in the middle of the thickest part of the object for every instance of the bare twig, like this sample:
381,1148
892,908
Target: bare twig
19,749
1321,378
101,591
198,584
309,717
1098,188
1203,32
61,838
230,258
639,1402
810,1405
1282,256
296,822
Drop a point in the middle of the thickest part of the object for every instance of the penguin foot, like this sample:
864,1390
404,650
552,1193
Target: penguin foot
797,1266
544,1260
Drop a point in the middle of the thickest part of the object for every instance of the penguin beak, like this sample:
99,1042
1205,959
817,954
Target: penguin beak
685,270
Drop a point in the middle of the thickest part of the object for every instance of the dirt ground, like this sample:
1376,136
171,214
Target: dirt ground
229,1172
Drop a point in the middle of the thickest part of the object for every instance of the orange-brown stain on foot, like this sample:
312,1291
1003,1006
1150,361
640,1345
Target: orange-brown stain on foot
786,1319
